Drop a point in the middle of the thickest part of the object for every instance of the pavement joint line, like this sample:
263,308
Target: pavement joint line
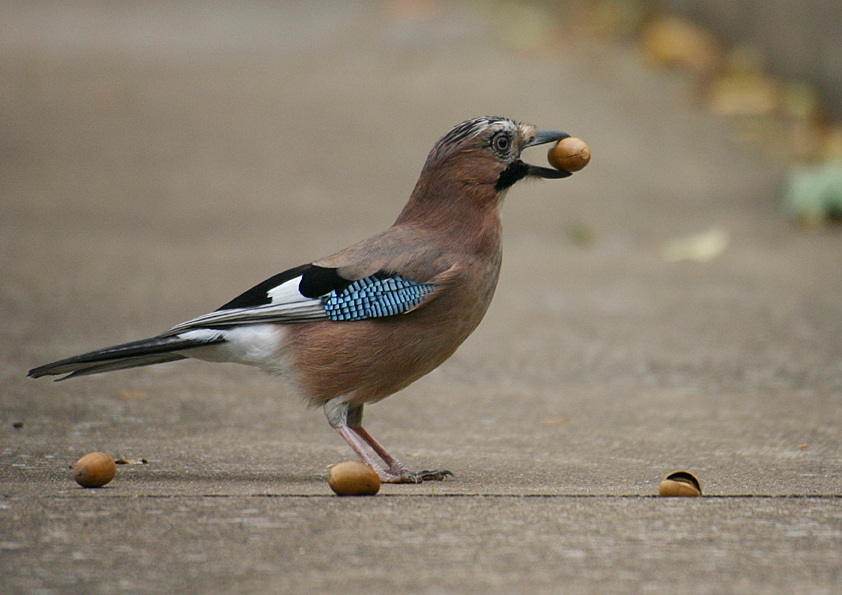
466,495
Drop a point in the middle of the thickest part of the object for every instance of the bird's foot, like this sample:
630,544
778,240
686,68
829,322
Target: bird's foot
439,475
395,471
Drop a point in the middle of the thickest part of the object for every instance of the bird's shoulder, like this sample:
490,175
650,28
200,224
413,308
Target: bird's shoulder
394,253
394,272
406,251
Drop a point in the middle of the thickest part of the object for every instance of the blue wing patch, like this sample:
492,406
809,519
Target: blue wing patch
375,296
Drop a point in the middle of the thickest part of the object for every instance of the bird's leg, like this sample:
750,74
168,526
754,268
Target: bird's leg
355,419
337,416
347,420
395,466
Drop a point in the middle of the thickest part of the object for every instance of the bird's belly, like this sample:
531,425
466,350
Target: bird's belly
368,360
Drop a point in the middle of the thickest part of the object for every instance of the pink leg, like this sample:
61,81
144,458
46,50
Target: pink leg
358,448
395,466
346,421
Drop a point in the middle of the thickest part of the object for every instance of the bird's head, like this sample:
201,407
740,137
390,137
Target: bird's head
486,151
470,168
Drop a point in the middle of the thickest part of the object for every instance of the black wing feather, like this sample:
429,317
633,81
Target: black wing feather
316,281
259,294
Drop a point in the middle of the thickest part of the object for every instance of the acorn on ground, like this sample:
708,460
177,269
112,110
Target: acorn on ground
94,470
680,483
352,478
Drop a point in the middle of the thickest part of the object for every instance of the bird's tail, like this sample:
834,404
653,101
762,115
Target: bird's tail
145,352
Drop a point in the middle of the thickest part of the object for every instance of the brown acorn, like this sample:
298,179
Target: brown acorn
352,478
94,470
569,154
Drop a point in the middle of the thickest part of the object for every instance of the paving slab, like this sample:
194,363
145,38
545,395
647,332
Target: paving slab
157,160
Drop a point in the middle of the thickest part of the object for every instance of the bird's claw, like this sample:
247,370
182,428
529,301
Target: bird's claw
406,476
433,475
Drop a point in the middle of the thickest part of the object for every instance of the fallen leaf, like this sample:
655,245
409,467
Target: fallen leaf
673,41
125,461
744,95
813,195
554,421
701,247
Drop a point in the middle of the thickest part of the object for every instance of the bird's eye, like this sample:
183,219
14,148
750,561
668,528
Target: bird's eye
501,143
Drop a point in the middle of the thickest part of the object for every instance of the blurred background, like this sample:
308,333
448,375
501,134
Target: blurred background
800,38
158,158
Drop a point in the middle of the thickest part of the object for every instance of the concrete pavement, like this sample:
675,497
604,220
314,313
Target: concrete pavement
155,161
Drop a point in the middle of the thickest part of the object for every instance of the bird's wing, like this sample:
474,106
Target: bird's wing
311,292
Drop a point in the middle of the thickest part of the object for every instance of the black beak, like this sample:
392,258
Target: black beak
543,137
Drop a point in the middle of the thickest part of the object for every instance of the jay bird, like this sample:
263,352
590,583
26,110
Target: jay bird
357,326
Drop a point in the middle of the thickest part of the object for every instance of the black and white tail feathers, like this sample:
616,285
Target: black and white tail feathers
253,306
145,352
302,294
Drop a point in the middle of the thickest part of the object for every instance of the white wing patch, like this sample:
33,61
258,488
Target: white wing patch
288,305
287,293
